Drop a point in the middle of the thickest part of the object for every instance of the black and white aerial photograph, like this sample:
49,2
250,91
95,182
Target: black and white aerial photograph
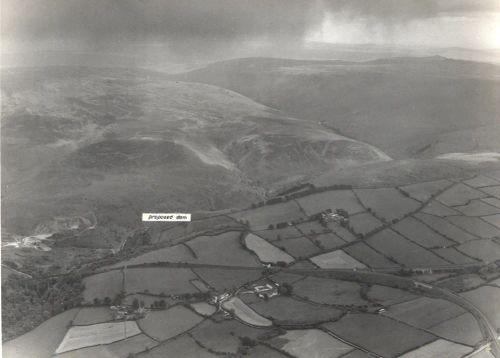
250,178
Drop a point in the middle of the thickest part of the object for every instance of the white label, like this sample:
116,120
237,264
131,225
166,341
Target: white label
166,217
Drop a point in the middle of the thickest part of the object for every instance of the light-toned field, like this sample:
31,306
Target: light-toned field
438,209
266,252
203,308
363,253
222,279
424,191
480,181
335,199
300,247
453,255
261,218
329,291
477,208
475,226
171,281
493,219
487,299
463,329
275,234
420,233
439,348
424,312
460,194
445,228
96,351
106,284
402,250
336,259
223,249
485,250
261,351
492,190
93,315
245,313
311,343
102,333
363,223
388,296
223,337
135,344
388,203
286,310
42,341
381,335
329,241
184,346
169,323
177,253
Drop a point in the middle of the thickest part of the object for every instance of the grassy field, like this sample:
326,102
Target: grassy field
203,308
275,234
264,216
166,324
329,241
184,346
475,226
387,203
459,194
312,228
453,255
93,315
439,348
436,208
463,329
461,282
445,228
311,343
493,219
481,181
222,279
261,351
492,190
265,251
379,334
300,247
487,299
288,311
223,337
485,250
177,253
171,281
135,344
424,312
107,284
402,250
363,223
336,259
425,190
245,313
341,232
42,341
329,291
102,333
363,253
335,199
388,296
477,208
418,232
209,250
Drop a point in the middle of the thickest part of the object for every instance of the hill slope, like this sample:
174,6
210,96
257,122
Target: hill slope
401,105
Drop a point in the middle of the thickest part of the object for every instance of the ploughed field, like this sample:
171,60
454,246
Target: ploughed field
234,291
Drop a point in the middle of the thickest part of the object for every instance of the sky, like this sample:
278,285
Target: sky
232,28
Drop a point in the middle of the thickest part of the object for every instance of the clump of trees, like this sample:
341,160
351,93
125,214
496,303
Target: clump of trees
27,302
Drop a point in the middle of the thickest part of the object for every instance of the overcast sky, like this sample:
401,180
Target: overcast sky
241,26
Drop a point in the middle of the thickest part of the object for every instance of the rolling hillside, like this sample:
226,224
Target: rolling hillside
116,143
403,106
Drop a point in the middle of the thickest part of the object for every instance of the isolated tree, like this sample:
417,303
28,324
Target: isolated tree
135,304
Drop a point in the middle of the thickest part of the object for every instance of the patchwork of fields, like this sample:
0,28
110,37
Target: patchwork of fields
431,225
